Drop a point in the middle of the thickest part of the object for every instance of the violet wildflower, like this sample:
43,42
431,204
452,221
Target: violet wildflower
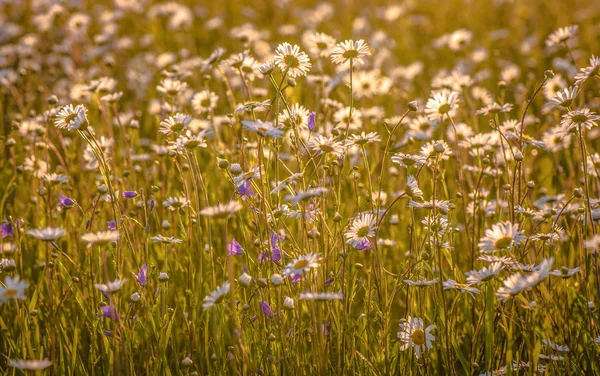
244,190
266,309
109,311
234,249
275,251
130,194
65,201
311,121
6,229
142,276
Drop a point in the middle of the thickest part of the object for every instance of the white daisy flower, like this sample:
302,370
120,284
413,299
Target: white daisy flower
291,60
174,203
101,237
13,288
166,239
420,282
29,365
485,274
111,286
350,50
265,129
441,103
565,272
412,188
216,296
362,229
204,101
588,72
47,234
409,160
321,296
583,118
221,210
71,118
175,124
516,283
305,195
318,44
413,334
562,35
453,285
502,235
301,264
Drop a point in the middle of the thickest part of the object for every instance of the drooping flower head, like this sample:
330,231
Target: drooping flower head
71,117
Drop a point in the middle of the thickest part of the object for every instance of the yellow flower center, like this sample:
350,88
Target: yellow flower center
300,264
326,148
363,231
70,118
418,337
408,161
503,242
579,118
444,108
177,127
10,293
350,54
291,61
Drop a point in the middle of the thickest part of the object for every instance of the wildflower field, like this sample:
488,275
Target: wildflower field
300,188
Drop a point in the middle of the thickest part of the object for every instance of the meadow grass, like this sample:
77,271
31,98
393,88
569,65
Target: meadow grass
299,188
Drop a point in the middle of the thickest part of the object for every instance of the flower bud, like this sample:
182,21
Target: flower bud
412,106
222,163
288,303
518,156
135,297
276,279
